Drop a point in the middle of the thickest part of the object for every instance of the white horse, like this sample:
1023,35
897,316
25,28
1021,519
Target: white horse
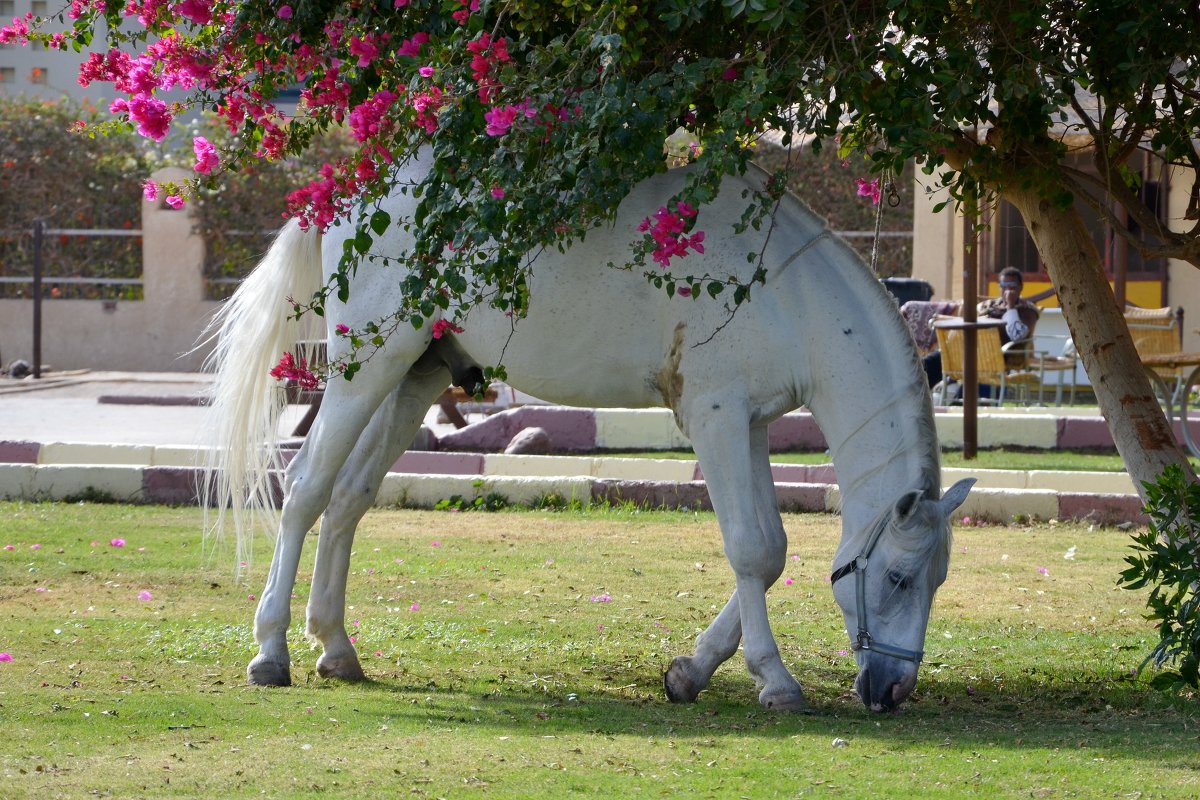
821,332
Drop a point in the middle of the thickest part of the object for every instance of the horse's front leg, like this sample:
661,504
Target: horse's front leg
308,483
390,431
737,470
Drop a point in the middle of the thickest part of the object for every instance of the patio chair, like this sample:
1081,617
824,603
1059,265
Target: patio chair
990,366
1155,332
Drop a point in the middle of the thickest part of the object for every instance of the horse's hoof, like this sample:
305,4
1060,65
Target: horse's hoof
787,700
343,669
678,681
261,672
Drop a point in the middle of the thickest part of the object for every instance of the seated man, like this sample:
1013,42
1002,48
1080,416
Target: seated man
1019,315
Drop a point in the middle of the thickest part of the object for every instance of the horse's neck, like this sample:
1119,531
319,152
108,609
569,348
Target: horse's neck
877,418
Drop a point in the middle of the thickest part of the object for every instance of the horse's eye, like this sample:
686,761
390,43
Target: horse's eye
898,579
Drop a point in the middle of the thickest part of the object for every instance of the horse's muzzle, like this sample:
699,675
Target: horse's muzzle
884,683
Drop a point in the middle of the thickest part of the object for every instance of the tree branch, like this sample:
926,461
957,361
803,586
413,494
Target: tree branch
1170,244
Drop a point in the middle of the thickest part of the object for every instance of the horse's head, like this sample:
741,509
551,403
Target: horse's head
886,591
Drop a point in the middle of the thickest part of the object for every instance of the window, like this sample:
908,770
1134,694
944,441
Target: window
1011,244
8,75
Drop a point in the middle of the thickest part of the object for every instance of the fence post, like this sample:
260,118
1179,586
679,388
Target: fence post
39,229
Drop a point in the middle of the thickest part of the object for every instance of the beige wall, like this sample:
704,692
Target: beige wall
155,334
937,243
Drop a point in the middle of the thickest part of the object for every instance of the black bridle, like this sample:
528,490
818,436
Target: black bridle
858,566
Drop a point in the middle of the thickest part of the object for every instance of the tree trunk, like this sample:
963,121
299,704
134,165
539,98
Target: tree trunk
1138,425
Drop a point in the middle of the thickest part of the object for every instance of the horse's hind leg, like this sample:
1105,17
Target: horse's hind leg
308,483
390,431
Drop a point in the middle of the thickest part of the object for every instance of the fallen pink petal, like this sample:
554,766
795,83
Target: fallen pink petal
1043,571
788,582
415,607
5,658
117,543
35,547
145,596
602,598
10,547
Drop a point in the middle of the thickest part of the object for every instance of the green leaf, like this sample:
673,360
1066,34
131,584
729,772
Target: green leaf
362,241
380,221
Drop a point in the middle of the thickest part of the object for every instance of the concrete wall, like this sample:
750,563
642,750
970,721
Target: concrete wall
156,334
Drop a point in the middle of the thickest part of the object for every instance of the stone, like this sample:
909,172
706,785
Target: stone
529,442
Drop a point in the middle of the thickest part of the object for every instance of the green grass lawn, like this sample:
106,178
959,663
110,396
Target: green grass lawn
499,670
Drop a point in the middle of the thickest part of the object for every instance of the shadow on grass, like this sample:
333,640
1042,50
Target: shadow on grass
1121,716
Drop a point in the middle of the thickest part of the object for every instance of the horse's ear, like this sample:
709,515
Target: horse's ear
906,506
955,496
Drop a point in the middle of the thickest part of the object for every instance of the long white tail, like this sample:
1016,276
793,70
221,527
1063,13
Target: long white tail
252,330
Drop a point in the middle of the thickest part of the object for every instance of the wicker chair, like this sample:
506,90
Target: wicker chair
990,366
1157,331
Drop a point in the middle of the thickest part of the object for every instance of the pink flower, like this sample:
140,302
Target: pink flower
364,49
868,189
284,12
5,658
497,193
150,190
400,4
198,11
415,607
251,597
117,542
288,370
499,120
152,116
444,326
341,329
206,155
412,47
425,72
145,596
175,201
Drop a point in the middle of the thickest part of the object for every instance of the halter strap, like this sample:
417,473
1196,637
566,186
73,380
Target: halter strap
858,566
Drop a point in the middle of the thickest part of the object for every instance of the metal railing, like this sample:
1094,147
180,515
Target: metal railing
38,279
